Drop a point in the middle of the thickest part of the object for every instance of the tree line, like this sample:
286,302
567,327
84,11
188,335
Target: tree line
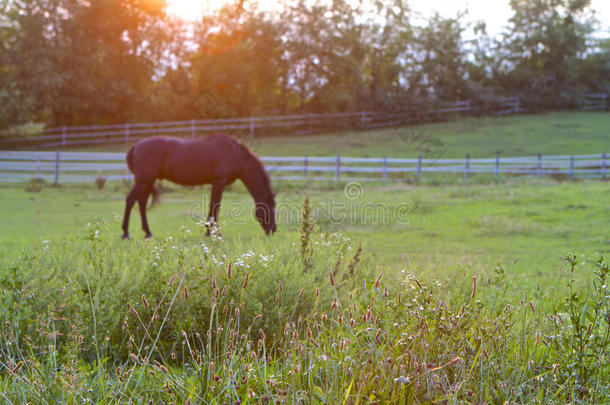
70,62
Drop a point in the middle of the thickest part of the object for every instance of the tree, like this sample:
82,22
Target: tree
239,63
440,60
72,62
594,70
541,49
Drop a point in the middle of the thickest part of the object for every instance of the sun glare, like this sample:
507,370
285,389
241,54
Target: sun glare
494,12
188,9
194,9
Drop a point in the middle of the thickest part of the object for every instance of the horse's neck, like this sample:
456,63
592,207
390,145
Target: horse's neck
252,177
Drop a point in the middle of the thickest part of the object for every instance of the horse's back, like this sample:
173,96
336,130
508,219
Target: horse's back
184,161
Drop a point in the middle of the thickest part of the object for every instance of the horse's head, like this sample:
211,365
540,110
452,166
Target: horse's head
265,213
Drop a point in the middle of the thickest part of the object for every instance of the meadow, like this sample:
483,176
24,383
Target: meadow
555,133
434,291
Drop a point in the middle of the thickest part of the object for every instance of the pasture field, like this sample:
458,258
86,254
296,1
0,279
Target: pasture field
429,291
527,226
566,132
458,294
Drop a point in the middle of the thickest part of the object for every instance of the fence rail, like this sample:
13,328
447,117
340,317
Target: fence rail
248,126
393,115
595,102
81,167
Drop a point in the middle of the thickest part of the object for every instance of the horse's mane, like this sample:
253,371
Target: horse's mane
257,162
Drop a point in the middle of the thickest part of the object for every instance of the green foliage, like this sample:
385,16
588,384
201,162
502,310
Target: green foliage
583,344
64,62
540,54
79,62
305,230
183,319
198,281
443,70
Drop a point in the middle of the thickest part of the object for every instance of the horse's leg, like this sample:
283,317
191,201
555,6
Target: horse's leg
129,202
145,190
217,189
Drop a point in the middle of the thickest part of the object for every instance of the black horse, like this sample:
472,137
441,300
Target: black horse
215,159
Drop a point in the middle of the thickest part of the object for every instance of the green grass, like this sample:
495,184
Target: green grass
527,225
434,310
430,291
524,135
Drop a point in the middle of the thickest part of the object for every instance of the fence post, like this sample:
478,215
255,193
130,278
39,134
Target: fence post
517,105
466,167
192,128
37,175
305,166
497,168
127,133
604,98
338,167
362,119
418,167
571,173
63,137
56,180
251,127
384,173
539,166
604,165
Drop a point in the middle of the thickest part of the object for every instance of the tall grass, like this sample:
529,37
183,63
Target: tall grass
306,318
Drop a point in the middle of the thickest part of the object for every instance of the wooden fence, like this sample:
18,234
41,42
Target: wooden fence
78,167
388,116
60,137
595,102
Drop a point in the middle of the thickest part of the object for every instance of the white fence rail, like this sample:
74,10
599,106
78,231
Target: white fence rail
82,167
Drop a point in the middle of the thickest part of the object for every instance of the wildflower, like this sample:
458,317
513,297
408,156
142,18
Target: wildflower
402,380
132,309
377,280
474,286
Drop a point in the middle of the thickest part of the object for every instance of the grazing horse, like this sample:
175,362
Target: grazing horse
214,159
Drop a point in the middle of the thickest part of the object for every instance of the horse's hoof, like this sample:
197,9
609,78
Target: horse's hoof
148,236
125,236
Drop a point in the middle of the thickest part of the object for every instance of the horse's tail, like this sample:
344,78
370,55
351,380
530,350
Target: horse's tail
154,189
130,159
